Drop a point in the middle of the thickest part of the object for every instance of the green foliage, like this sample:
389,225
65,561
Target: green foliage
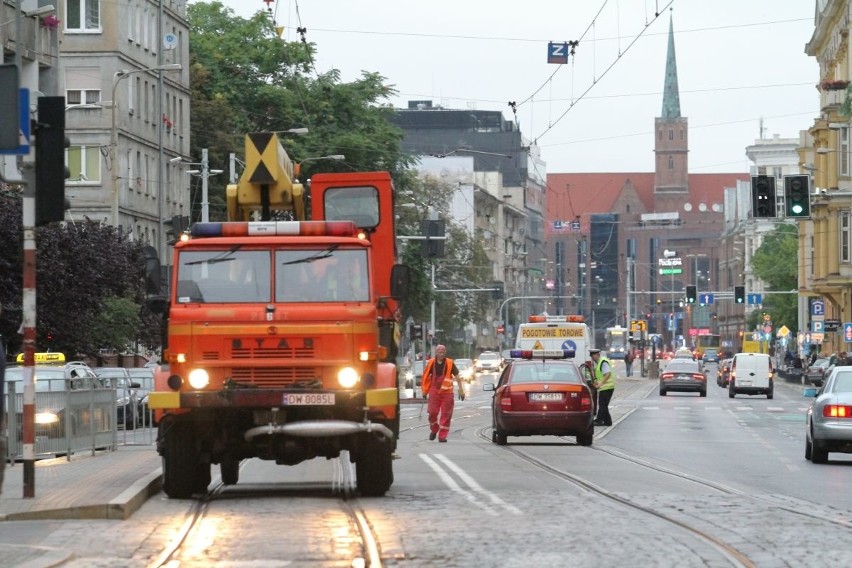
245,79
465,266
80,269
776,263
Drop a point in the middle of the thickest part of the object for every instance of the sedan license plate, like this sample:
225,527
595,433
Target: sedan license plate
545,396
309,399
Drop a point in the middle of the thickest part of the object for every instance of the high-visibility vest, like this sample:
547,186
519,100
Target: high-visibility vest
447,381
599,375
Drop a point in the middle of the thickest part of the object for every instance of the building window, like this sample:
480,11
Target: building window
671,134
83,15
671,163
777,173
845,238
843,165
660,135
681,133
84,164
82,96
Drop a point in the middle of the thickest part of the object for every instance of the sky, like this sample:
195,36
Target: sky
742,69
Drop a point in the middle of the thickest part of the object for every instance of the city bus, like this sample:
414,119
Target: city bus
704,341
615,342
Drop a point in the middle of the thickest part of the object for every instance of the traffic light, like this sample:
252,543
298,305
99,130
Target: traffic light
763,197
797,196
739,294
175,227
691,294
51,171
417,331
433,248
497,290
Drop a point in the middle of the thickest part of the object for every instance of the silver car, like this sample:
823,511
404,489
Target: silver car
829,421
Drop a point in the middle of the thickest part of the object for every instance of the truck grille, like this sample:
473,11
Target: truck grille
271,377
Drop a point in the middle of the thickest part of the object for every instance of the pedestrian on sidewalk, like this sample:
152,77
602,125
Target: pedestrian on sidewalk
439,374
628,362
605,383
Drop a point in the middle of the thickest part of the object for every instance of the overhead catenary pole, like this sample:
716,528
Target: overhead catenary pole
205,205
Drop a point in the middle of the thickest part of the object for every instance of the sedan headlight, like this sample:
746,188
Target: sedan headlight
198,379
122,401
347,377
46,418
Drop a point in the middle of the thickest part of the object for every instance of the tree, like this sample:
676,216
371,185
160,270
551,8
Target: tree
776,263
245,79
81,271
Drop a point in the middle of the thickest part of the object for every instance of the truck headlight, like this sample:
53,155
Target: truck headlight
347,377
198,379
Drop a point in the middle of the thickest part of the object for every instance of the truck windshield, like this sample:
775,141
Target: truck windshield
321,275
224,276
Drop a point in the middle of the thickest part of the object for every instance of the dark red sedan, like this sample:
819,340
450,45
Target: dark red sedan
542,393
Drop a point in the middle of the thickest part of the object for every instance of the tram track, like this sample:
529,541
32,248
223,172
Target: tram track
733,555
343,486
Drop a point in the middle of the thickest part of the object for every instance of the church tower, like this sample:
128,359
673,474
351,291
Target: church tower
671,139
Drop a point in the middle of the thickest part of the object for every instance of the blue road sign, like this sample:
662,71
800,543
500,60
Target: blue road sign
557,52
818,308
23,124
705,299
818,326
754,299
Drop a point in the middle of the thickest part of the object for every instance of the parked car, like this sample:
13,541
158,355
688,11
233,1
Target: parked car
723,372
541,397
683,375
818,371
752,373
465,367
144,377
50,410
488,362
126,394
829,419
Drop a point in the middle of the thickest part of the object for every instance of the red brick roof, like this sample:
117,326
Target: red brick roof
581,194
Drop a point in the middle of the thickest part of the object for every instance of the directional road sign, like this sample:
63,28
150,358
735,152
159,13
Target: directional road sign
754,298
705,299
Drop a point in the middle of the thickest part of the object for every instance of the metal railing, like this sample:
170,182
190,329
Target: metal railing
73,420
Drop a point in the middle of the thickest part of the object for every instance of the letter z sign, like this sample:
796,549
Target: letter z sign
557,52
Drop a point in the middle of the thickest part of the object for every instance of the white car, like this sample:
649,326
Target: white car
465,367
488,362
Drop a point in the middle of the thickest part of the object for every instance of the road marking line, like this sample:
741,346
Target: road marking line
476,486
450,482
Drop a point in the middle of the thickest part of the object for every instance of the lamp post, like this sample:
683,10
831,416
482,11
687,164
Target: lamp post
297,167
119,75
205,173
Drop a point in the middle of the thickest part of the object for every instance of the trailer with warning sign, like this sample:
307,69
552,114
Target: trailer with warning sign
556,332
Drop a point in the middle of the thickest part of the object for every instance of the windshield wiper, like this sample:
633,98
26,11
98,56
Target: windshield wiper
224,256
316,256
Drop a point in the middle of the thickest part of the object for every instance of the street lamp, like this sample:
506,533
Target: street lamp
297,167
205,173
119,75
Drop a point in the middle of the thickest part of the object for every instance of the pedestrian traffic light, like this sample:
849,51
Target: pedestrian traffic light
51,171
433,247
417,331
739,294
691,294
797,196
763,197
497,290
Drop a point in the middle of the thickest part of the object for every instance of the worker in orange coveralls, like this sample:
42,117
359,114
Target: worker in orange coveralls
439,374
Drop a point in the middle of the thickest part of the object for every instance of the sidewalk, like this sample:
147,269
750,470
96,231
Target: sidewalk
108,485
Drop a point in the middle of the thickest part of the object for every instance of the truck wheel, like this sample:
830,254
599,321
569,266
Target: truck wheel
229,468
374,468
180,467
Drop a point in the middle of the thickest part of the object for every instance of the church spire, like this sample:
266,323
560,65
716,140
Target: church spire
671,97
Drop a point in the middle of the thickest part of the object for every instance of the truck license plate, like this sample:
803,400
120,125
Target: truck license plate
309,399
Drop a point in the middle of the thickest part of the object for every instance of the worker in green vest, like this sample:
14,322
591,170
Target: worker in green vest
605,383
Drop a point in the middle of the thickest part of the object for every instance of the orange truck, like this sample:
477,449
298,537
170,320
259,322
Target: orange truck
282,334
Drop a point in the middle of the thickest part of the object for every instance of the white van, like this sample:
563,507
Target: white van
556,332
751,373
